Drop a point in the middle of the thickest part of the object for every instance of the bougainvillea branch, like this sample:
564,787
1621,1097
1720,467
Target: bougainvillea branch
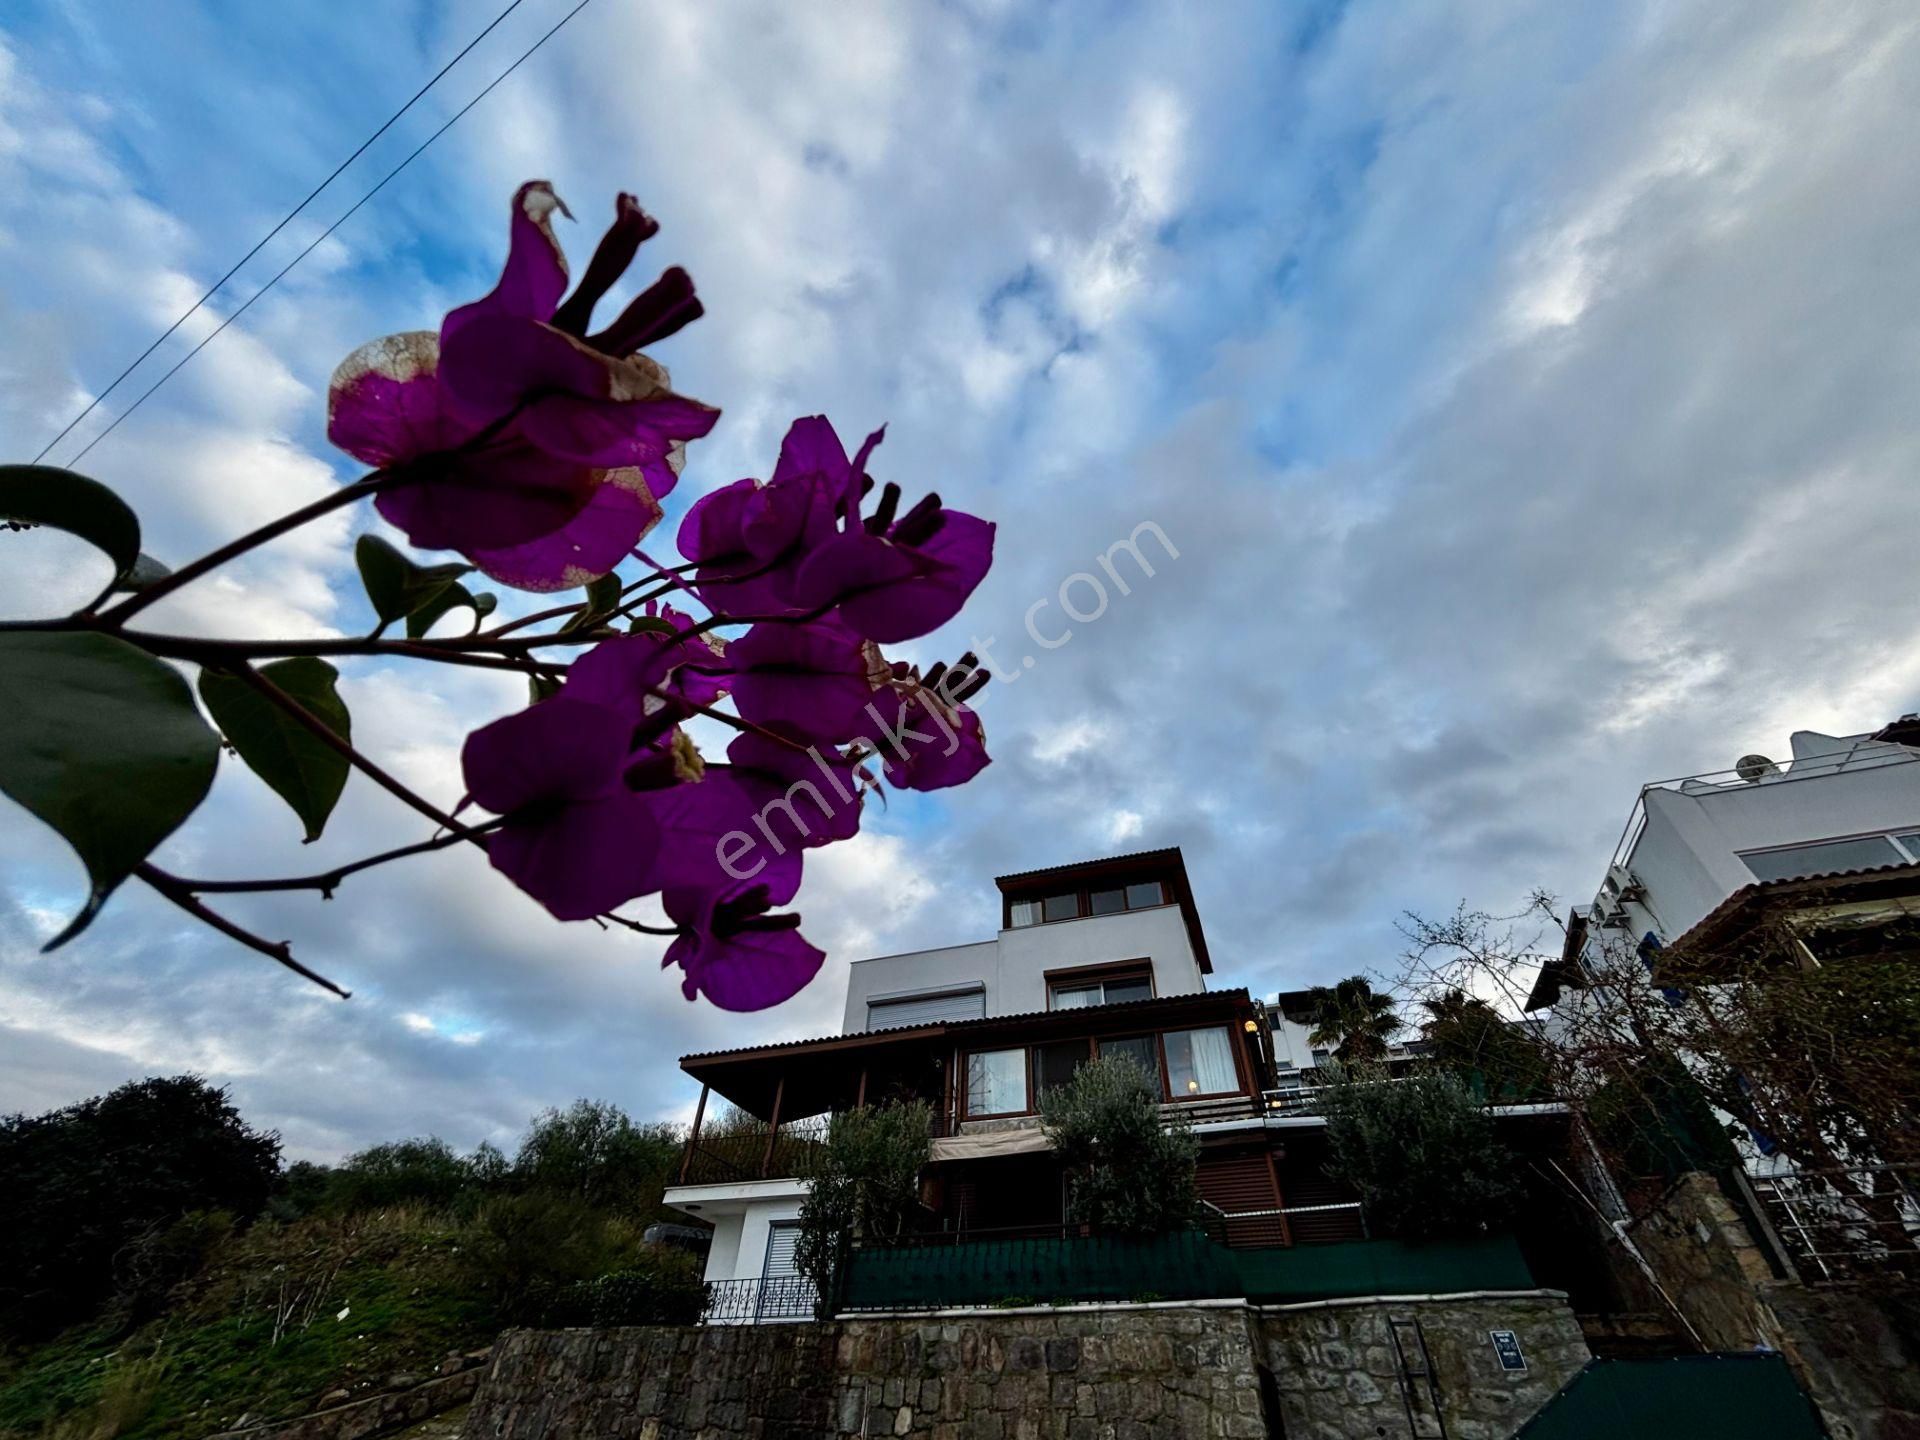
537,449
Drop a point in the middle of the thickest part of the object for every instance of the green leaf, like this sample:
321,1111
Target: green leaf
451,598
104,743
145,571
303,770
395,585
45,495
603,598
541,687
652,625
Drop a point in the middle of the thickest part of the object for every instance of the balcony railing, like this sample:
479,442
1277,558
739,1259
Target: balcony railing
1859,1221
754,1151
769,1300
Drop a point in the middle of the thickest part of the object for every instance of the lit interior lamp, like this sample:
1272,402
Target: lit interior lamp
1251,1027
1193,1087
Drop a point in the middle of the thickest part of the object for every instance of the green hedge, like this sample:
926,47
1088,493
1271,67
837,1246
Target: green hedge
1184,1266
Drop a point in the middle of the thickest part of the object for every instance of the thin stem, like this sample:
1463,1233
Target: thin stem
324,733
176,890
637,927
327,881
213,559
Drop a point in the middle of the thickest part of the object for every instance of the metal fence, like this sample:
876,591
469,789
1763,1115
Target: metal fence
759,1302
754,1150
1857,1220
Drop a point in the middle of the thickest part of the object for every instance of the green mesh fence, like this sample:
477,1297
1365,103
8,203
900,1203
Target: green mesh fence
1186,1266
1692,1397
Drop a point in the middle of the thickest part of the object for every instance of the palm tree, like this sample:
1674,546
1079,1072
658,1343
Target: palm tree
1353,1018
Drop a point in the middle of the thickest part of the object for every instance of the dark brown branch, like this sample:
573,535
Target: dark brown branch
327,881
174,889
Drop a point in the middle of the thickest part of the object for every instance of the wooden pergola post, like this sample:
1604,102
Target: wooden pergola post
693,1136
860,1100
773,1129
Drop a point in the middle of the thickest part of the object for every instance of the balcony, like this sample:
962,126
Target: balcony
767,1301
745,1150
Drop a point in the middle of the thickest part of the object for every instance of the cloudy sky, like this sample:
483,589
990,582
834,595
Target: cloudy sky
1528,391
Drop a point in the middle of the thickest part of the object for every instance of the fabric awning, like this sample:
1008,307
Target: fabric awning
986,1144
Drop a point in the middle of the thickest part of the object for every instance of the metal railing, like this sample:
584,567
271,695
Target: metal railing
773,1299
1847,1221
755,1151
1332,1223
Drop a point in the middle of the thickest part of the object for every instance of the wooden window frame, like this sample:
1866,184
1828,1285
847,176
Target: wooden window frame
1100,973
1166,1068
967,1112
1083,901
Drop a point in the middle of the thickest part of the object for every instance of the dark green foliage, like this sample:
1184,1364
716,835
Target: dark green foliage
1353,1018
104,743
1422,1154
1502,1060
592,1151
83,1183
521,1251
866,1185
1130,1171
301,768
659,1287
425,1171
303,1189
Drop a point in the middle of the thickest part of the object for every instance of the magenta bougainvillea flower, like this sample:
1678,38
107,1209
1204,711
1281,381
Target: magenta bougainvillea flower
536,450
800,798
809,682
577,838
633,671
749,539
894,579
734,952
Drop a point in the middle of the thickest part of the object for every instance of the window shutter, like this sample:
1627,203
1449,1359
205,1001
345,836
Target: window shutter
926,1009
781,1240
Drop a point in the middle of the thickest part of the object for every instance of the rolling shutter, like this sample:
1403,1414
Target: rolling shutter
781,1240
926,1009
1240,1183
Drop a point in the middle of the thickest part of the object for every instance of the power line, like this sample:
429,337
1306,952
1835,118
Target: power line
284,221
315,244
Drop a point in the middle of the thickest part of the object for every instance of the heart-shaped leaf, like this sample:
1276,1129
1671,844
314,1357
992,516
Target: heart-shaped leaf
451,598
303,770
104,743
46,495
603,598
396,586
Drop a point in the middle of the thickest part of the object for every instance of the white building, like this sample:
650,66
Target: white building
1695,848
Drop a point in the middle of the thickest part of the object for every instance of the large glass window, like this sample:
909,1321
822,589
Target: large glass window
1107,902
996,1082
1055,1065
1119,991
1137,1048
1076,997
1821,859
1060,907
1024,913
1070,994
1141,896
1200,1062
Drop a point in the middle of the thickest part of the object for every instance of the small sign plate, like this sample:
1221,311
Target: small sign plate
1506,1345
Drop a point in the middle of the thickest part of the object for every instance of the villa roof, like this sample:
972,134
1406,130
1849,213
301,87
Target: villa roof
1167,861
1736,915
815,1070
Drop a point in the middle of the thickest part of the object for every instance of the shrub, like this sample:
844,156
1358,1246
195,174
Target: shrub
866,1185
593,1151
85,1182
660,1287
1421,1153
1131,1170
424,1171
522,1250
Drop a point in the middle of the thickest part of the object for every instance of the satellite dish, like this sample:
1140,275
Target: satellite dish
1754,768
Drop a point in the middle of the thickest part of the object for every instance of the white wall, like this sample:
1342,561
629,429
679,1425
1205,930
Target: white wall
1687,855
1013,966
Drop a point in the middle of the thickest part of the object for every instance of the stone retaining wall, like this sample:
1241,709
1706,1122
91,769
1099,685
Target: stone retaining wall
376,1415
1164,1372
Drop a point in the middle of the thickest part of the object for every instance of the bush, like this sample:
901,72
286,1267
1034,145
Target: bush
425,1171
1421,1153
521,1251
84,1183
592,1151
661,1287
1132,1172
866,1185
